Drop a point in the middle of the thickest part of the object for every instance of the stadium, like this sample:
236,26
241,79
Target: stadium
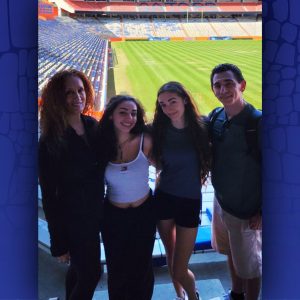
133,47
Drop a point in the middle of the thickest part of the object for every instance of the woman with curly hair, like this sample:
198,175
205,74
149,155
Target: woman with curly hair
181,151
71,180
129,221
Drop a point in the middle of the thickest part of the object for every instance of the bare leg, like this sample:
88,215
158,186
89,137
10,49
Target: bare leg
167,232
250,286
185,241
237,282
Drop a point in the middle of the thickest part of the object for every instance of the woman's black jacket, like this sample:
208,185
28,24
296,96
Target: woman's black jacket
72,188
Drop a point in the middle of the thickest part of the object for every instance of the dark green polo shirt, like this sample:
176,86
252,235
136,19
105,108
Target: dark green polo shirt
236,174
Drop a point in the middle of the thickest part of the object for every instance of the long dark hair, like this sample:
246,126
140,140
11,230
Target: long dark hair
53,121
195,125
106,136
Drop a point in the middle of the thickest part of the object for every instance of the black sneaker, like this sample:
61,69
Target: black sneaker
233,296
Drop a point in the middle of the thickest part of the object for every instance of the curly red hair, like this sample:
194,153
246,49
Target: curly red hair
53,120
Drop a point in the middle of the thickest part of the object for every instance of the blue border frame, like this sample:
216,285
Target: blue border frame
281,120
18,145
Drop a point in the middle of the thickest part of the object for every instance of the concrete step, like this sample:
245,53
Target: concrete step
210,288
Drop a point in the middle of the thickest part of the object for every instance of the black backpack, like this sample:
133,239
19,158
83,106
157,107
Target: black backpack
251,130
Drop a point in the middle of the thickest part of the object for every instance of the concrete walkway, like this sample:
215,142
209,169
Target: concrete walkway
209,268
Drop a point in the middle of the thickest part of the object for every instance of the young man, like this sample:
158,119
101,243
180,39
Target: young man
236,177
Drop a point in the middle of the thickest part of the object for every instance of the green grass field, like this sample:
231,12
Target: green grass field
142,67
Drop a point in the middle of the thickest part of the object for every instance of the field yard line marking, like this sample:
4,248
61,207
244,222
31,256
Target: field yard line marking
121,79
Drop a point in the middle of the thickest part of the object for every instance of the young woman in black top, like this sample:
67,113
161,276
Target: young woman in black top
181,151
71,180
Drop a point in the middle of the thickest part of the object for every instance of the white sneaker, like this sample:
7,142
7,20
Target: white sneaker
185,297
198,296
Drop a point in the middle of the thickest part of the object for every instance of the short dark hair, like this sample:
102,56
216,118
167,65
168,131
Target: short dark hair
227,67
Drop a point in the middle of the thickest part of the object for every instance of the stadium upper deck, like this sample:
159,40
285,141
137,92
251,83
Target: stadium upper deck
212,7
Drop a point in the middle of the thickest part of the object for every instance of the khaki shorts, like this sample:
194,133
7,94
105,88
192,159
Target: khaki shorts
232,236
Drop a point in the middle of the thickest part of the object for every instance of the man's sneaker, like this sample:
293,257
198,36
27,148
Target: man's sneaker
226,297
233,296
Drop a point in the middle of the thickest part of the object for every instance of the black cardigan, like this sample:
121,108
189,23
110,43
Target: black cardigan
72,188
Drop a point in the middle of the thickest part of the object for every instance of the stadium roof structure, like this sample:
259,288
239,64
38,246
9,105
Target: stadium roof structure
80,6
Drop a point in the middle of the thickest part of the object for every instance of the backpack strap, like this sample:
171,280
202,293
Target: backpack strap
252,134
212,118
214,114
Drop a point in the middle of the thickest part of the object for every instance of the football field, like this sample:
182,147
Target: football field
141,67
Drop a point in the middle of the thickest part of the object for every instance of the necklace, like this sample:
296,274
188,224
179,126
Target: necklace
120,147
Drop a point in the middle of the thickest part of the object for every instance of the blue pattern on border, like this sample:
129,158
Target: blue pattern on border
18,146
281,103
18,124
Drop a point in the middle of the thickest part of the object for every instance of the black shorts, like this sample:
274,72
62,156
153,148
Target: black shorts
184,211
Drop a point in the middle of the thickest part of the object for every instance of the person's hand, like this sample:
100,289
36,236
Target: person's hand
255,222
65,258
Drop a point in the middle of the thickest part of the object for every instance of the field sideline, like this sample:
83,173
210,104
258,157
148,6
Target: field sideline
142,67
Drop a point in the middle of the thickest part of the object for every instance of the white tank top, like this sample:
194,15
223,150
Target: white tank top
128,182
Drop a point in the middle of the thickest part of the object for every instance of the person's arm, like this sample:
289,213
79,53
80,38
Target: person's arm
65,258
255,222
147,148
148,152
53,208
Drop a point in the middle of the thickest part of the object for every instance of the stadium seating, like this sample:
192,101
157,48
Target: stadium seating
63,43
143,28
251,26
112,25
228,27
137,28
168,28
196,28
159,7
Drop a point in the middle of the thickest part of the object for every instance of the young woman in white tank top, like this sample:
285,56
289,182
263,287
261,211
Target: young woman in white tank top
129,221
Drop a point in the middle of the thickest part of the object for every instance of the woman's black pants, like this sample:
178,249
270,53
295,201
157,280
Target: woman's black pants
128,237
85,270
